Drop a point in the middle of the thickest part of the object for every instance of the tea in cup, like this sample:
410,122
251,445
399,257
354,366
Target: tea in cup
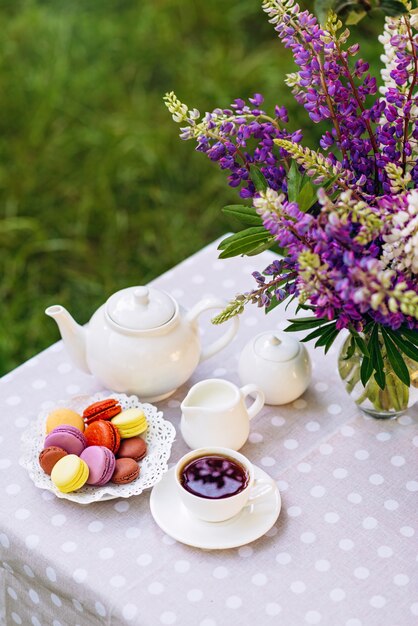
216,484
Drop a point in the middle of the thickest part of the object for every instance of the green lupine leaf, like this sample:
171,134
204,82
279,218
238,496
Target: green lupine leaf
393,7
240,248
411,335
243,246
266,245
245,214
231,238
366,370
350,350
396,359
294,182
274,302
331,340
318,332
290,301
376,357
368,327
361,344
307,197
258,179
304,307
305,323
379,377
329,332
404,345
243,234
270,308
326,185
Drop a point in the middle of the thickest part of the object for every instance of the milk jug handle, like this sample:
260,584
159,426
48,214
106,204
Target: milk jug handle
258,403
222,341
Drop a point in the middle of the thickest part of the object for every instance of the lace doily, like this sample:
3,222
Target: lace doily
159,438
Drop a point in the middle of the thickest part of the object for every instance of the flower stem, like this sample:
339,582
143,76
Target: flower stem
362,109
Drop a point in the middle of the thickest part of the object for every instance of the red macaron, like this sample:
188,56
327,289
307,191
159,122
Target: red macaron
103,433
101,410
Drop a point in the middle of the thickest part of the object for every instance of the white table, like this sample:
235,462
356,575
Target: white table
342,553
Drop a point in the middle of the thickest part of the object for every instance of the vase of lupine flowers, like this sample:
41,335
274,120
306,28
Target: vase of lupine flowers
343,217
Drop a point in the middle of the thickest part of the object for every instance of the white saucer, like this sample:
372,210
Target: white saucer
174,519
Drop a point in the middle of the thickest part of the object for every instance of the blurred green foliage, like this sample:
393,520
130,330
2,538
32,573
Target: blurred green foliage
97,192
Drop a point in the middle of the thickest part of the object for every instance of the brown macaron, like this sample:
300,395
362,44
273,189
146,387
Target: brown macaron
126,471
133,448
49,456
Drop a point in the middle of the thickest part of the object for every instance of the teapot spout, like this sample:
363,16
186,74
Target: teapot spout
73,335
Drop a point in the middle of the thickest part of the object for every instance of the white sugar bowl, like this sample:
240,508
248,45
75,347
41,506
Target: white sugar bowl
278,363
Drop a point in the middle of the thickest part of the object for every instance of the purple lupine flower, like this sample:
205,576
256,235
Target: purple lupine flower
339,255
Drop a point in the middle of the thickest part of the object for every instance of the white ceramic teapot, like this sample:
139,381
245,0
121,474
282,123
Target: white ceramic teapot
140,341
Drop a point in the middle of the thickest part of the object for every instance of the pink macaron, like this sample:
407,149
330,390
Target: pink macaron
69,438
101,463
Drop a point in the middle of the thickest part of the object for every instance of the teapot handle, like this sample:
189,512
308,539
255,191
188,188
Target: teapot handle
259,400
217,345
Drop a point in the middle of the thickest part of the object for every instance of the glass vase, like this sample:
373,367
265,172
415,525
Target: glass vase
387,403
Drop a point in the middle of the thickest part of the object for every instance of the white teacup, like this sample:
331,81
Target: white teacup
213,507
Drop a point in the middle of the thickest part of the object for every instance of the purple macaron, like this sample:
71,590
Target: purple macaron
101,463
68,438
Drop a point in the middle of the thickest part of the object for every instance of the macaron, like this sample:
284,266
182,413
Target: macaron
49,456
101,463
103,433
70,473
69,438
134,448
126,470
101,410
61,415
130,423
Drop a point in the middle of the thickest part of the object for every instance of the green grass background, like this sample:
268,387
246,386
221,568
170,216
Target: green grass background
97,192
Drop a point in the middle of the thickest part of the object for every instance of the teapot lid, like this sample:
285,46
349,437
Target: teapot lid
276,346
140,308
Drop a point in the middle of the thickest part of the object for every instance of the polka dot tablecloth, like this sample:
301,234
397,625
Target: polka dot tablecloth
342,553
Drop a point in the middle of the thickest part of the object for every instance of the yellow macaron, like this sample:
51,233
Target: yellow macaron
60,416
71,474
130,423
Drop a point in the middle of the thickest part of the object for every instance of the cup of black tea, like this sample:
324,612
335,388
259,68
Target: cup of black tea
215,484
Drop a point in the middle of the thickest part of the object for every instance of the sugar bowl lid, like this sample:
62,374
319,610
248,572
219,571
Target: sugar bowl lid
276,346
140,308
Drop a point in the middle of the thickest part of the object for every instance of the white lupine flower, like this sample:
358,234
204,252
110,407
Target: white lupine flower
393,26
177,109
268,200
400,249
400,218
194,114
413,18
389,57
